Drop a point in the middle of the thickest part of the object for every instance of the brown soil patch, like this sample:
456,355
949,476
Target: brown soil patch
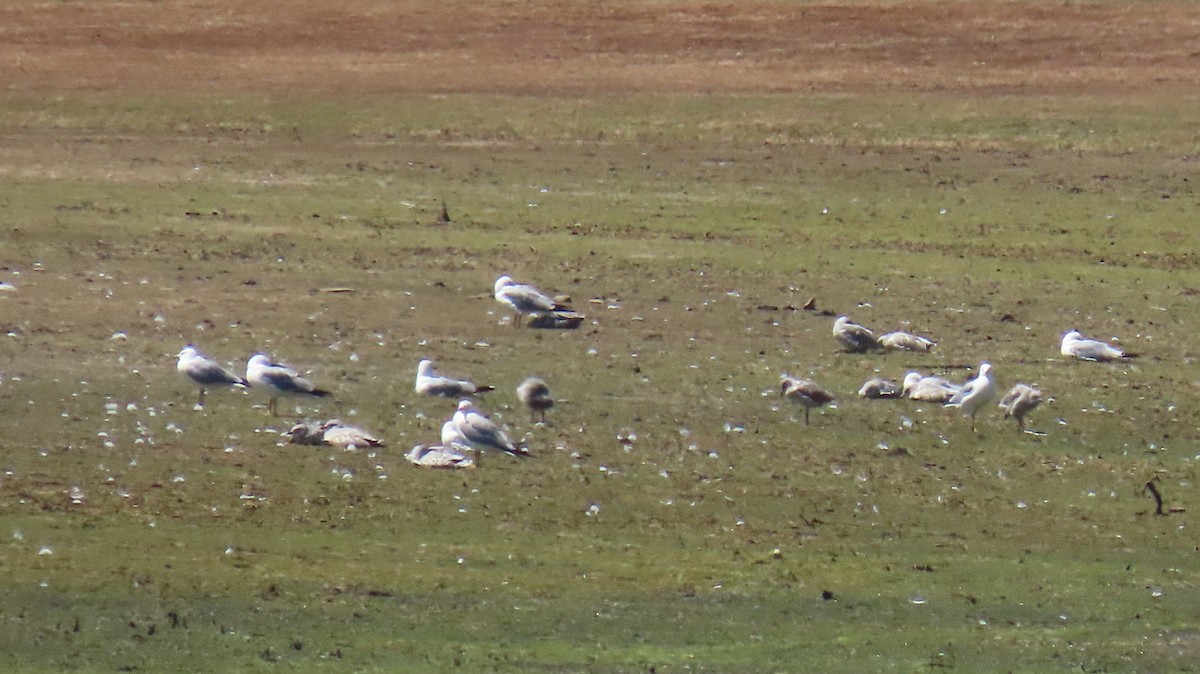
333,48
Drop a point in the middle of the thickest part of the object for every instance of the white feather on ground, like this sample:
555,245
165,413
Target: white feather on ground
975,393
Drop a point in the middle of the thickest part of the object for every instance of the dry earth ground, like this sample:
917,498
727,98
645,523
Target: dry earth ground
321,48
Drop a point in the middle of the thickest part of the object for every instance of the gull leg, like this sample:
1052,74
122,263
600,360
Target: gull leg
805,416
201,403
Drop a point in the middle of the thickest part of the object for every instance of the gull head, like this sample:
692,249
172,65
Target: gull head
425,367
910,380
188,351
502,283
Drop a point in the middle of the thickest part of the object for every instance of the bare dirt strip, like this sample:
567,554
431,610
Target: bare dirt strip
331,48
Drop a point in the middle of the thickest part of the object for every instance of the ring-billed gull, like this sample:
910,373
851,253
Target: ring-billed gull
853,337
876,388
523,299
905,341
1076,345
928,388
481,433
535,394
437,456
429,382
804,392
975,393
278,380
334,433
205,371
1020,400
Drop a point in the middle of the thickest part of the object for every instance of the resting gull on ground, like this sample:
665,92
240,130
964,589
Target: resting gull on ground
877,388
904,341
429,382
853,337
437,456
928,389
276,380
1076,345
205,371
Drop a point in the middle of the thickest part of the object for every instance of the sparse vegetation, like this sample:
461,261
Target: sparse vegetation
678,516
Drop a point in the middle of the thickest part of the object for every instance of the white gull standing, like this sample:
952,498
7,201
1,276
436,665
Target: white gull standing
853,337
278,380
480,433
429,382
975,393
523,299
1077,346
205,371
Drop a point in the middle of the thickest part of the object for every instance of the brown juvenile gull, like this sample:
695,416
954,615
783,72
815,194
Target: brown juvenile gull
535,395
804,392
1020,400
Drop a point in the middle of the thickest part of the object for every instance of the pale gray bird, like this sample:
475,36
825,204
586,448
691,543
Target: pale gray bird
928,388
876,388
905,341
853,337
332,433
276,380
975,393
339,434
429,382
482,433
523,299
1077,346
437,456
804,392
535,394
1020,400
206,372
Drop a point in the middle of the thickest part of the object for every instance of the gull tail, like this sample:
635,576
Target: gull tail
484,389
320,393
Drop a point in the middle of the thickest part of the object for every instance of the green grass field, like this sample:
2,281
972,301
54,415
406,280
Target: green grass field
140,534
